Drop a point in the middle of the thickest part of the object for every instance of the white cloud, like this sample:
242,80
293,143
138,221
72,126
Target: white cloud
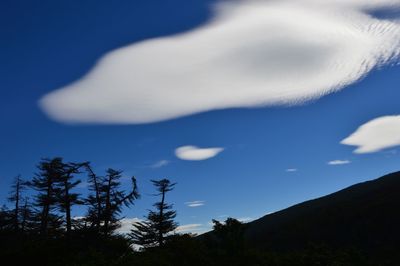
189,228
375,135
127,225
338,162
193,153
252,53
291,170
160,164
196,203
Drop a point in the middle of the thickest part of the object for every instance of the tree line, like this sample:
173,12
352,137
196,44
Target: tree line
46,211
38,226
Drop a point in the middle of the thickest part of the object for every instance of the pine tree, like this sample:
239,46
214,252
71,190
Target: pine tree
66,198
5,219
159,223
107,199
26,216
115,198
45,183
15,197
94,200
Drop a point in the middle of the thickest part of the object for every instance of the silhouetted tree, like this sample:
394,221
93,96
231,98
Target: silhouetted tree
5,219
94,199
107,199
26,215
15,197
230,234
115,198
45,183
144,234
66,198
159,223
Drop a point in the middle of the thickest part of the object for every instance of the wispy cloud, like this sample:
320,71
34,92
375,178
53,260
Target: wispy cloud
376,135
312,48
193,153
160,164
189,228
338,162
196,203
291,170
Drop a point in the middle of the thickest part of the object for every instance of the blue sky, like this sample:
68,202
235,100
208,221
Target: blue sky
48,46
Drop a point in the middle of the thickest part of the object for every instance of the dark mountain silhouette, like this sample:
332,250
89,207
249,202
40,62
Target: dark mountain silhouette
365,216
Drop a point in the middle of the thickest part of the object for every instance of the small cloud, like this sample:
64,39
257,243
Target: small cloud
196,203
375,135
291,170
127,225
189,228
160,164
339,162
193,153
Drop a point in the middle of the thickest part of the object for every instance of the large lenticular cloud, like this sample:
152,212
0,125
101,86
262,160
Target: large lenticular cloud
253,53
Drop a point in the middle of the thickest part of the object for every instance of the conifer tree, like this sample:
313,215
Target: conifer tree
5,218
159,223
66,198
107,199
45,183
115,198
26,216
15,197
94,200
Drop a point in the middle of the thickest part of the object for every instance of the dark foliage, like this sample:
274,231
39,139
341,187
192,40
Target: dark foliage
159,223
67,198
19,214
46,183
107,200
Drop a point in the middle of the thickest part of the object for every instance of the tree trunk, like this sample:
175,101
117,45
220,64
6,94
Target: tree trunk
98,201
24,215
107,215
16,213
67,207
160,233
46,209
